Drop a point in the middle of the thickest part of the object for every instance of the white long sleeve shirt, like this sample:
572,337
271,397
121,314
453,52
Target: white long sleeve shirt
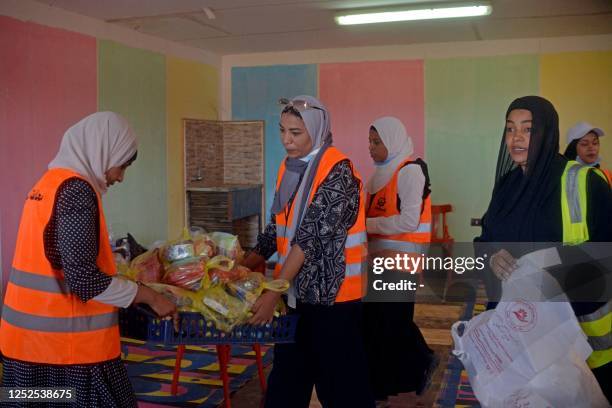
410,184
120,293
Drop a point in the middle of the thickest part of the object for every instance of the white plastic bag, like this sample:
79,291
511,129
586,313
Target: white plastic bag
525,353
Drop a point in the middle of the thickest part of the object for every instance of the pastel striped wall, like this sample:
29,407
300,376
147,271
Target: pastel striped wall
579,84
191,92
255,94
458,103
54,78
47,83
466,101
358,93
132,82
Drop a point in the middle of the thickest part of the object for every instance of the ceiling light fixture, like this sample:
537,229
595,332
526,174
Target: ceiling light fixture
414,14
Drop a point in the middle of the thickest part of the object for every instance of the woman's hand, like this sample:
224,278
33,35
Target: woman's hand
158,302
263,309
163,306
502,264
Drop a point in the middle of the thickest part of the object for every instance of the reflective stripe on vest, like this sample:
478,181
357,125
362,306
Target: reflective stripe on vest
59,324
356,241
574,202
596,325
384,204
38,282
42,320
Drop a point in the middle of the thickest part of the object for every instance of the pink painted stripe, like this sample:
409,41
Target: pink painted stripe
358,93
48,82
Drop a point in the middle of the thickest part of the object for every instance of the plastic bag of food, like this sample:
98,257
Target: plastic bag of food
222,269
203,245
228,245
178,250
146,268
184,299
188,273
122,264
250,287
223,309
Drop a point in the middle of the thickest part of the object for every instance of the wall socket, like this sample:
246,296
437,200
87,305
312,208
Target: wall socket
476,222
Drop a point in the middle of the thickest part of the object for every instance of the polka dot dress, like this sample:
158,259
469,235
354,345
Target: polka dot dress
71,244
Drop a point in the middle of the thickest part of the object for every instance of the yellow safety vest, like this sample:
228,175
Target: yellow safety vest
597,325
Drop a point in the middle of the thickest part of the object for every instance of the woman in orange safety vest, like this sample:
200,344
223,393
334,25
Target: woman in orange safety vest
59,319
398,219
318,231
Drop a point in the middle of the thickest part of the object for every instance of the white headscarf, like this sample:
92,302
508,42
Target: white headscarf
95,144
398,144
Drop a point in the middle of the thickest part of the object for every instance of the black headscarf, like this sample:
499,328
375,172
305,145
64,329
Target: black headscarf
518,196
571,151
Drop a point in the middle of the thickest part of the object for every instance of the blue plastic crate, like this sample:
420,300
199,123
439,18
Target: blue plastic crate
195,329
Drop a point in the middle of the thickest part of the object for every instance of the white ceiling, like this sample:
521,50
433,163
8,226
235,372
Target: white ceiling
248,26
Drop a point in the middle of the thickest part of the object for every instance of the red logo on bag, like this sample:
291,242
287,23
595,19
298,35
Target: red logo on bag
521,315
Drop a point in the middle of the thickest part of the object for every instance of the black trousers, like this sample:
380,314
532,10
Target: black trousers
397,352
328,354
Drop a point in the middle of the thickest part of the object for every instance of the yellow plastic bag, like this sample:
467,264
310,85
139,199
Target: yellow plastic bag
184,299
228,245
223,309
222,269
250,287
146,268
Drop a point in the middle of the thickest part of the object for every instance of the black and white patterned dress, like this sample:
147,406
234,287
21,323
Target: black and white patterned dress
322,236
71,244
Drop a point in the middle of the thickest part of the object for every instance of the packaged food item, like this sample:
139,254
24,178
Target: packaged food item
218,306
228,245
188,273
146,268
223,270
203,245
178,250
248,288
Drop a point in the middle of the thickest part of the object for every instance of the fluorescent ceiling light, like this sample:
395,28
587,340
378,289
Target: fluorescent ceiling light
411,15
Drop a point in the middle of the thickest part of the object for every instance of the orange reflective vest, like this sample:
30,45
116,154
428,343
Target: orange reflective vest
42,321
384,203
608,174
355,250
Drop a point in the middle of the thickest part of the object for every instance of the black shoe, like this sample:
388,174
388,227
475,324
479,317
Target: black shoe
428,374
